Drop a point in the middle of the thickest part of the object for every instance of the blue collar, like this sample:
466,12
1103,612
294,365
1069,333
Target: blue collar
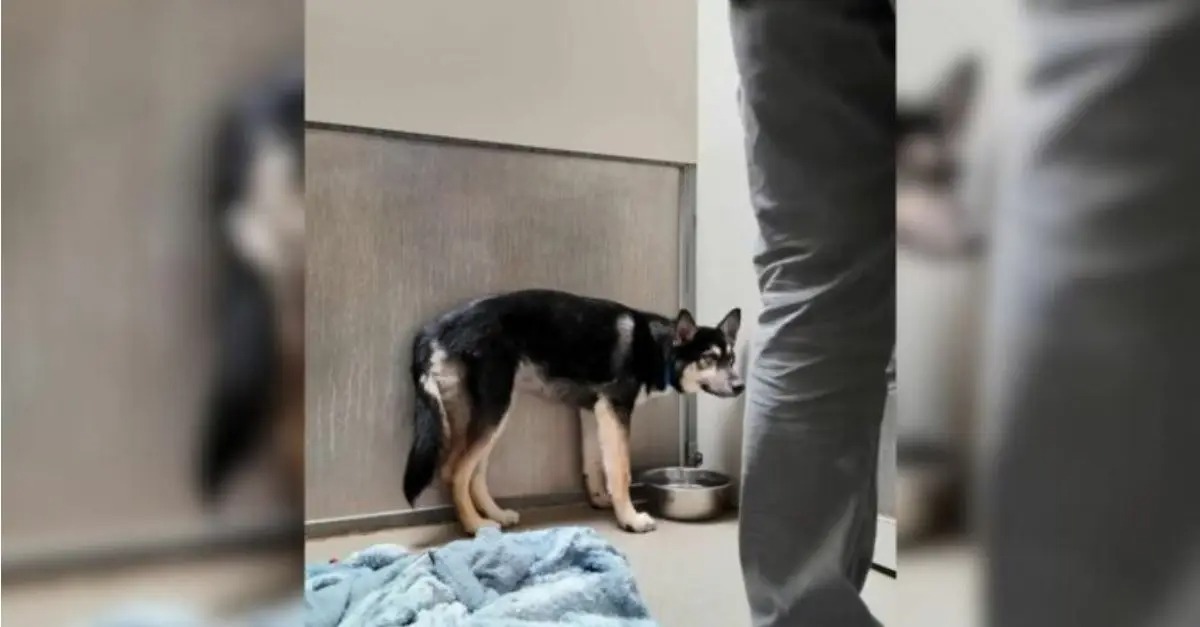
668,373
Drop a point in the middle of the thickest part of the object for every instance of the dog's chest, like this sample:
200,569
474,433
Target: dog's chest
646,394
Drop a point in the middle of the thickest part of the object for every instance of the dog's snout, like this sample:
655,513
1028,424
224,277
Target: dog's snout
738,387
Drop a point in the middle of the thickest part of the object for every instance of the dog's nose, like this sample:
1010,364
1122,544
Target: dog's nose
738,387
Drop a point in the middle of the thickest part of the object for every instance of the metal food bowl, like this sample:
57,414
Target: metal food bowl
680,493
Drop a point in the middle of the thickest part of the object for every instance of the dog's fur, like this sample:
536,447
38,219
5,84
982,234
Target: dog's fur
930,219
591,354
935,219
258,392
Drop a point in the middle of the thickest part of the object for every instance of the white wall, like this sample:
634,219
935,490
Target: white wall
611,78
940,303
615,77
726,233
725,226
931,34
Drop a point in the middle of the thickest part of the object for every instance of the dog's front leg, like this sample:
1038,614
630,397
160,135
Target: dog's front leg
613,427
593,464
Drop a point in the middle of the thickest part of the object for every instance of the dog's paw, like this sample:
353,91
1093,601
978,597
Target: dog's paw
640,523
507,517
474,527
600,500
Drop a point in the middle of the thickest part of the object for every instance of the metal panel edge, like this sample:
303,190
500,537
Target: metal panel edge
51,560
689,452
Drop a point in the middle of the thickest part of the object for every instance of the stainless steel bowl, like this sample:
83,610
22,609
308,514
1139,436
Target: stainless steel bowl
680,493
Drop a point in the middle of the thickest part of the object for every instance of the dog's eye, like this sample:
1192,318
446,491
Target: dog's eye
704,362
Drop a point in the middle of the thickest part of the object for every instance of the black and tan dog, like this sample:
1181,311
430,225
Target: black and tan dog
591,354
257,398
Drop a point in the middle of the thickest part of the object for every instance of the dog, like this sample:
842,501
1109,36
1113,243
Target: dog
941,219
257,395
590,354
930,141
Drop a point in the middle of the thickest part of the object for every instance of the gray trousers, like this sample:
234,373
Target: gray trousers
818,103
1094,350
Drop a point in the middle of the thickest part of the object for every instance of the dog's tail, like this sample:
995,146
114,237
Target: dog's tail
427,433
239,412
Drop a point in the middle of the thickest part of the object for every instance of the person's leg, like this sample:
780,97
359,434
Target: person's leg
818,105
1094,346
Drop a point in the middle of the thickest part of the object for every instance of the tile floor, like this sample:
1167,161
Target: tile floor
941,584
218,585
667,563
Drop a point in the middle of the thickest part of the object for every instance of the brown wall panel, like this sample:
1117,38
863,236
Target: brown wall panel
400,229
109,109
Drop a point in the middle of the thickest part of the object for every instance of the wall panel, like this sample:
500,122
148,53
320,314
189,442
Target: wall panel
401,229
616,77
109,111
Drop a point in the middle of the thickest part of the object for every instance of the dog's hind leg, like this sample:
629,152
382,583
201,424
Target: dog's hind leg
479,490
593,463
457,417
464,470
452,397
490,387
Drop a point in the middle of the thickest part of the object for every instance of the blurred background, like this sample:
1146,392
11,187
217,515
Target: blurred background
958,67
113,282
116,279
1046,202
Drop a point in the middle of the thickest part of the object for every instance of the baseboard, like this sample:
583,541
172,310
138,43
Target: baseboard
204,541
367,523
885,530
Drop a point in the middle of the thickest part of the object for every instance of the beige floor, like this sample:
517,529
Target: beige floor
227,585
941,585
687,572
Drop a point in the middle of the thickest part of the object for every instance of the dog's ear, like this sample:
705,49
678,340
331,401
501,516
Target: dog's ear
730,324
957,94
685,327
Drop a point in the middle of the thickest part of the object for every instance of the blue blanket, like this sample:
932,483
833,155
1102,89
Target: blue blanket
561,576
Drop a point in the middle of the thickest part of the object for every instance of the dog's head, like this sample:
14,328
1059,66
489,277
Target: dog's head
930,140
704,356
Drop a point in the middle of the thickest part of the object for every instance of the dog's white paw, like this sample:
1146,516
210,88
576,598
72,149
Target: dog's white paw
507,517
474,527
641,522
600,500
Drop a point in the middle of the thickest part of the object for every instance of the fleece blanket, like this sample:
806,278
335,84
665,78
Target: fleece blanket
561,576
